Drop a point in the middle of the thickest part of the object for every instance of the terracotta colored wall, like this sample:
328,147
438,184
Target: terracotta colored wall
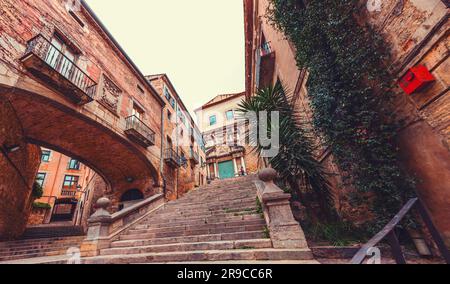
183,179
100,59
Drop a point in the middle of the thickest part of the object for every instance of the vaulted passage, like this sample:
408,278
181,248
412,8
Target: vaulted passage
121,163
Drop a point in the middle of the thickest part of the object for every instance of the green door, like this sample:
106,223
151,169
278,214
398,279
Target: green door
226,170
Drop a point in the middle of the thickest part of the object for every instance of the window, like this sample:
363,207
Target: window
74,164
169,115
141,90
137,112
212,120
172,103
40,179
46,156
70,182
230,115
76,18
63,64
167,94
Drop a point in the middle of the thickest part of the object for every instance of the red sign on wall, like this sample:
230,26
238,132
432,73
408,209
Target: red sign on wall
416,79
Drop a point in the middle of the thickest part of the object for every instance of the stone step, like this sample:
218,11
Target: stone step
213,219
205,214
221,208
51,251
217,218
191,227
40,232
22,249
212,206
198,222
194,232
142,241
212,200
203,246
31,242
212,255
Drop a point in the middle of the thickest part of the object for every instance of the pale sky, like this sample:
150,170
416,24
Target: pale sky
199,44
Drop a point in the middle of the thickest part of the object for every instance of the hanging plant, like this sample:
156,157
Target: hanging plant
351,93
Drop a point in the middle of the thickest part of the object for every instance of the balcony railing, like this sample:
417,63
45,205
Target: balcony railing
137,130
68,193
47,62
194,157
172,158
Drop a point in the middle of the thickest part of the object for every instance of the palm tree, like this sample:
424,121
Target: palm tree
295,160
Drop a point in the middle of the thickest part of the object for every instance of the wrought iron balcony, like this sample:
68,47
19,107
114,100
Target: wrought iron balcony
48,63
194,157
138,131
68,193
172,158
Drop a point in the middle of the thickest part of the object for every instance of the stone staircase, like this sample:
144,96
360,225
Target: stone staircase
219,222
37,248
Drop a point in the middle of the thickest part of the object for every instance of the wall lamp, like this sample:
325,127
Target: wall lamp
10,149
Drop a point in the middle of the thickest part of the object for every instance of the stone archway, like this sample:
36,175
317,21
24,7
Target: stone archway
68,129
50,124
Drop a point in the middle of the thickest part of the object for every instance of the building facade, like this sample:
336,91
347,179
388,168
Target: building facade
227,153
183,148
417,32
68,86
67,189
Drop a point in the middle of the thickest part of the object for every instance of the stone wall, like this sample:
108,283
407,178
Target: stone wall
417,33
17,174
95,130
38,216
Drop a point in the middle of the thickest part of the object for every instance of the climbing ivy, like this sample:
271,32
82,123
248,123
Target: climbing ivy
351,95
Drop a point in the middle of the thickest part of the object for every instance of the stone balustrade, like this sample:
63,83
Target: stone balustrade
104,227
285,231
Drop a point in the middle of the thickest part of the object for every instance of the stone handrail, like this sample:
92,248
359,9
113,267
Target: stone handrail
104,227
285,231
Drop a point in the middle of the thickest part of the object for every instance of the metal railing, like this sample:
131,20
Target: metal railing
135,123
170,154
389,233
53,57
68,193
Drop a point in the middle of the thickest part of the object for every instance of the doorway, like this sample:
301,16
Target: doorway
226,170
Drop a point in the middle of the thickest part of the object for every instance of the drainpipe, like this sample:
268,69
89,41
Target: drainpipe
178,147
161,162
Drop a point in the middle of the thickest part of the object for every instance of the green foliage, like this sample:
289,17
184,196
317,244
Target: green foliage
39,205
259,208
38,191
266,232
336,233
351,96
295,159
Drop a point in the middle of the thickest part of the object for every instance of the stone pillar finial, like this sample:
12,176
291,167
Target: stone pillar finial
101,214
268,175
103,203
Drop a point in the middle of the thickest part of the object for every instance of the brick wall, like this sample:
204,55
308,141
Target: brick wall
17,175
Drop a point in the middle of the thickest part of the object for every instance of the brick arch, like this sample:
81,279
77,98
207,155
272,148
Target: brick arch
63,128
